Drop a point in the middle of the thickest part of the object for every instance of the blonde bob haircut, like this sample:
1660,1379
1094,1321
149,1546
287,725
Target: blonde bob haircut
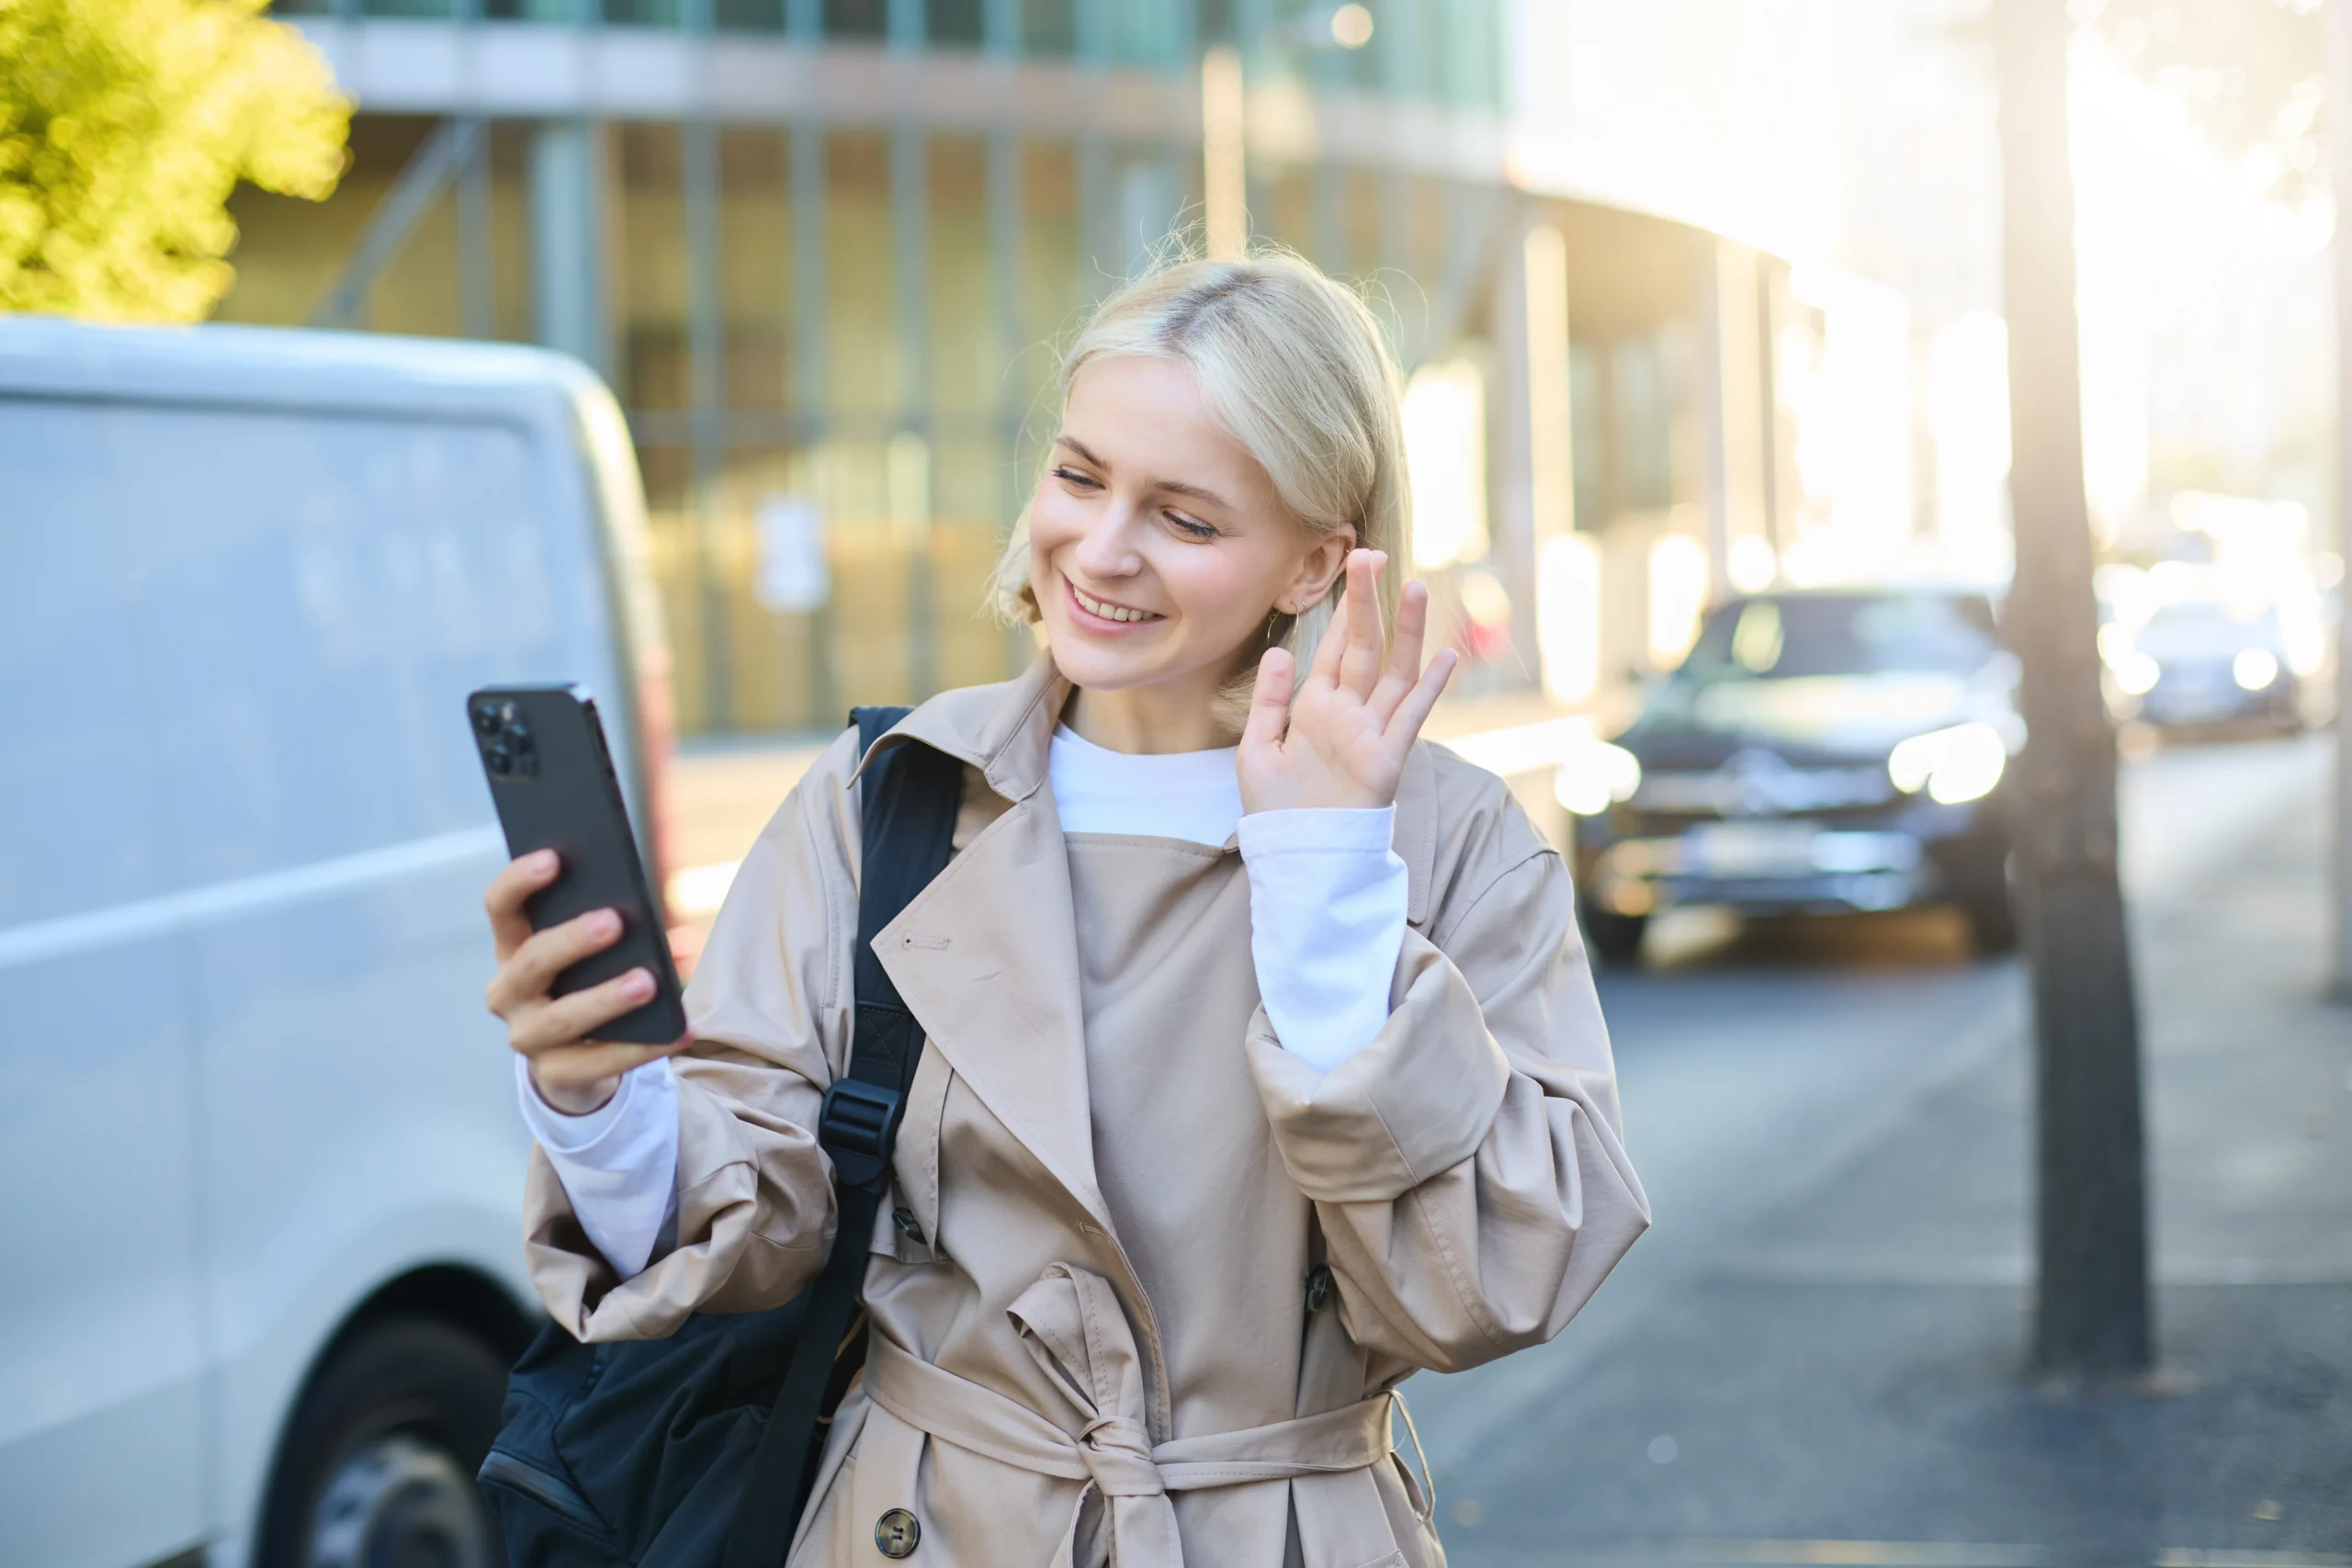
1294,367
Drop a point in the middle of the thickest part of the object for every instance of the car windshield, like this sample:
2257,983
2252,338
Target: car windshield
1781,636
2205,628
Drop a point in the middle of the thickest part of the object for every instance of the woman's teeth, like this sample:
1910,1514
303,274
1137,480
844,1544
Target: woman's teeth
1109,612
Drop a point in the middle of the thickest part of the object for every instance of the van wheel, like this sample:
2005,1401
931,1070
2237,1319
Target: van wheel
377,1468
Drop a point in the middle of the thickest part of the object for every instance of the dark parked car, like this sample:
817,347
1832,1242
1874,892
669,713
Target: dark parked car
1817,751
2203,661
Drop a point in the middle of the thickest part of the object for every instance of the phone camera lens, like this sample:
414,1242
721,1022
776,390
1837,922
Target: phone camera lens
486,720
501,760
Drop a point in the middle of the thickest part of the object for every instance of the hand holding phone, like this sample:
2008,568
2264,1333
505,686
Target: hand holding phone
585,980
576,1071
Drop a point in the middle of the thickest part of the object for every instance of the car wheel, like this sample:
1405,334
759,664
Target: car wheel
1992,921
1615,938
377,1468
1976,882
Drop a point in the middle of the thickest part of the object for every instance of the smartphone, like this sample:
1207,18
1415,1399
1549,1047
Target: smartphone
551,778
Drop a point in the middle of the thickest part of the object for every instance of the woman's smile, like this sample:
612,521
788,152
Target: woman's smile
1105,615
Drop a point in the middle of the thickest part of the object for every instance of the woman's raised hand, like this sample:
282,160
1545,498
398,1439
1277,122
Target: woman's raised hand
1341,739
575,1073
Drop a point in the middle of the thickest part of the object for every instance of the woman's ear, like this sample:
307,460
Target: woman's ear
1326,557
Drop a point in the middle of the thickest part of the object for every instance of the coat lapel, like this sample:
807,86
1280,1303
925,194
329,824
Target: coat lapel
987,955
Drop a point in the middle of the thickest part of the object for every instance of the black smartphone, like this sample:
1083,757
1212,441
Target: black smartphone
551,778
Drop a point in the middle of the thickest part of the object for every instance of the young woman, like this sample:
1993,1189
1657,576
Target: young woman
1259,1075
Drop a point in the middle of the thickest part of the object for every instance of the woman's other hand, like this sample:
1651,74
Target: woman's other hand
1342,737
575,1072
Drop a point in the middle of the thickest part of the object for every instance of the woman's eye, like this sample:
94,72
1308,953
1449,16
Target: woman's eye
1073,477
1190,527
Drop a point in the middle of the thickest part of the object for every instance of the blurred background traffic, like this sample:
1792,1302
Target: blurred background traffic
1700,306
1694,299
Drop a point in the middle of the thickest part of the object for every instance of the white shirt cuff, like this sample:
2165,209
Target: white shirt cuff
618,1164
1326,921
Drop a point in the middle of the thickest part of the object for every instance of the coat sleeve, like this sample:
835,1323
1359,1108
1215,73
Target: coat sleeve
1467,1166
767,1009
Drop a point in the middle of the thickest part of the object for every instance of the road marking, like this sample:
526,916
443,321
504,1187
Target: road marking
93,930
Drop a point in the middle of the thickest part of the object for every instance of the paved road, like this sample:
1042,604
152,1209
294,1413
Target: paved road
1762,1071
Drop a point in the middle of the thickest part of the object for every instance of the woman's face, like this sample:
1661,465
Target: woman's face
1158,546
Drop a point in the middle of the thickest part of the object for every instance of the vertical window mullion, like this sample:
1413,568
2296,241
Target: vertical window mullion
707,415
911,258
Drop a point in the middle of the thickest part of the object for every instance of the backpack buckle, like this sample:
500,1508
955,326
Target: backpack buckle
856,1128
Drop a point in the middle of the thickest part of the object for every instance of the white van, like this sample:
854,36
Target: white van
260,1168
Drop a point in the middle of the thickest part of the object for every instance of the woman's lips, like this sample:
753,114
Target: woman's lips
1098,623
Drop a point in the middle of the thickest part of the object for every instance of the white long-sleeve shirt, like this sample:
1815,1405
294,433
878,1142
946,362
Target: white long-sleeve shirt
1327,921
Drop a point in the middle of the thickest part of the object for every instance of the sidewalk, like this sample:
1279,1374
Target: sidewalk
1843,1384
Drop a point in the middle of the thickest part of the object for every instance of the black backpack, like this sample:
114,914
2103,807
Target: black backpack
698,1451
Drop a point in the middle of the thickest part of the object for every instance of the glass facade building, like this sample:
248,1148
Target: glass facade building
824,251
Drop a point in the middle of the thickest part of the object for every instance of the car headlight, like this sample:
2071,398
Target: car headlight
1952,765
2138,673
2254,669
1595,776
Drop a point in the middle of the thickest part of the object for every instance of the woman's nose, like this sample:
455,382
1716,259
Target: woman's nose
1107,549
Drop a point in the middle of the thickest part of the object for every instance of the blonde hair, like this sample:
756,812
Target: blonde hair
1294,366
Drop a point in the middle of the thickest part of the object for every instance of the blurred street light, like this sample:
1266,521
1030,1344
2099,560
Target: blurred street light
2091,1309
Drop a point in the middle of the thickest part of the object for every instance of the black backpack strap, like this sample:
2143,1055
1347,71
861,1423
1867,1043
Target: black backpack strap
907,801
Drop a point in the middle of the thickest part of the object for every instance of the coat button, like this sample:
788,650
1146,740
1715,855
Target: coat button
896,1534
907,1225
1318,1287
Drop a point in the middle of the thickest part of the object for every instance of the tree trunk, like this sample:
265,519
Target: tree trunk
2092,1319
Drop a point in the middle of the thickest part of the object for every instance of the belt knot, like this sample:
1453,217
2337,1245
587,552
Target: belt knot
1117,1451
1071,1323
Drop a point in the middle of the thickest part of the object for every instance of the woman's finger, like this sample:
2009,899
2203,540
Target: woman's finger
510,927
530,970
1323,670
1405,727
568,1021
1270,702
1404,666
1360,662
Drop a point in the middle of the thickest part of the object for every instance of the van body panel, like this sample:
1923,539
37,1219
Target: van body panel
271,565
103,1357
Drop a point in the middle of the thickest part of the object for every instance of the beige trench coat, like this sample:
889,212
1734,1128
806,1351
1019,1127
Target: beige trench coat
1026,1401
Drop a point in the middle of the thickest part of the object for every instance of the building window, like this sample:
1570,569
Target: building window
649,269
955,23
857,19
1049,26
748,16
756,267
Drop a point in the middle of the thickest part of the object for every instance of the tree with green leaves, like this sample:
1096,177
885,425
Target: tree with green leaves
124,127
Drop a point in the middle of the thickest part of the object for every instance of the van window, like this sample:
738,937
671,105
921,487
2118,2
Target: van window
314,595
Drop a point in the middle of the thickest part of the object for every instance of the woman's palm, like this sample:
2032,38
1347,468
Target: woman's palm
1342,738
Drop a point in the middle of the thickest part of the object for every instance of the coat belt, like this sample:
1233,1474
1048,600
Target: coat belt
1071,1323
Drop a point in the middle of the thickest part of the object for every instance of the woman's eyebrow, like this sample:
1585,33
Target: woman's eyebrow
1085,453
1198,492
